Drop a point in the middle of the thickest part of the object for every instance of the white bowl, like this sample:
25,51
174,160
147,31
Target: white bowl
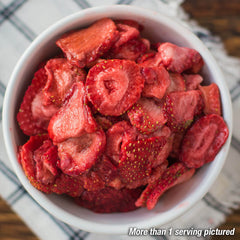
177,200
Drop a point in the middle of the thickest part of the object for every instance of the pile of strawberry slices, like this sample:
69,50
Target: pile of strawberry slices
114,121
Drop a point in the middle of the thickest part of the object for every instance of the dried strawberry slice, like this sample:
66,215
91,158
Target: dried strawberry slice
74,118
117,135
177,83
130,23
173,175
203,141
26,156
150,59
179,59
192,81
25,118
157,81
113,86
86,45
109,200
137,158
79,154
211,99
61,76
146,116
181,108
131,50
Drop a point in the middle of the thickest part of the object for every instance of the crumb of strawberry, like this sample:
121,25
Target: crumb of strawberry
203,141
181,107
25,116
147,116
79,154
86,45
113,86
74,118
157,81
173,175
211,99
179,59
61,76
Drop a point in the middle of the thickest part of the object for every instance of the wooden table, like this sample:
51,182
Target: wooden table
221,17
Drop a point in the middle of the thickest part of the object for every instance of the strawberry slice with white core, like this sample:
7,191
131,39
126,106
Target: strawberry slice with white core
86,45
79,154
74,118
147,116
203,141
61,76
179,59
157,80
113,86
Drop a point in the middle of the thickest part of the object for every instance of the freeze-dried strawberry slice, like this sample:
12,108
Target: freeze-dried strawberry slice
137,158
173,175
46,158
211,99
130,50
150,59
177,83
146,116
157,81
203,141
192,81
130,23
117,135
126,33
86,45
109,200
26,155
79,154
113,86
65,184
25,118
179,59
61,76
181,107
74,118
176,145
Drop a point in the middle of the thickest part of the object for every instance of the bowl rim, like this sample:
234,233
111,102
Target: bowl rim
42,199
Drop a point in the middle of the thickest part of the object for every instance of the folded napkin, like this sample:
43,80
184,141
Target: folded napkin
20,22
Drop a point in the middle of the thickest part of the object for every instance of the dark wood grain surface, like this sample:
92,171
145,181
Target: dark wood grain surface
222,18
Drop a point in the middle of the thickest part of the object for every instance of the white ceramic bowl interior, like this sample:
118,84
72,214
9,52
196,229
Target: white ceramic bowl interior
177,200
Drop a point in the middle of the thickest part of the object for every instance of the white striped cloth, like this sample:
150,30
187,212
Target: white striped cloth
20,22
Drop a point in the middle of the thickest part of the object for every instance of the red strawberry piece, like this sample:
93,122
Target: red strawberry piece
130,23
26,154
117,135
109,200
176,145
146,116
203,141
74,118
211,99
177,83
113,86
175,174
179,59
79,154
61,76
157,81
192,81
103,122
137,158
92,181
130,50
86,45
150,59
181,108
126,33
65,184
46,158
25,117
